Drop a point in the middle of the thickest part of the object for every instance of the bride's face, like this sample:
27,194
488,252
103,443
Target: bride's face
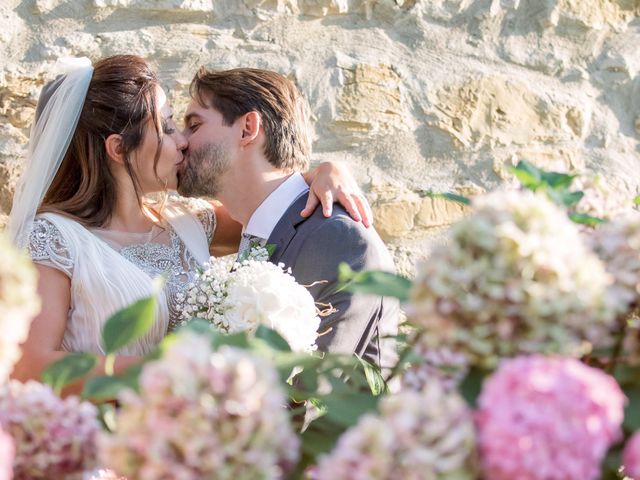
170,156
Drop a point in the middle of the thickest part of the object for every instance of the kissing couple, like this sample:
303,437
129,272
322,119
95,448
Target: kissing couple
97,211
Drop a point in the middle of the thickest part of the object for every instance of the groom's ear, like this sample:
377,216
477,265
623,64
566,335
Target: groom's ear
114,148
250,123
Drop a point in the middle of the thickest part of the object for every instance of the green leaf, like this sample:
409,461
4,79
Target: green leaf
528,175
129,324
472,385
196,325
374,378
564,197
345,408
636,200
632,410
107,416
272,338
556,180
319,440
270,247
104,388
238,340
533,178
68,369
452,197
374,282
584,219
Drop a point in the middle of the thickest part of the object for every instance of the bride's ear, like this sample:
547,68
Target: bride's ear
250,123
113,146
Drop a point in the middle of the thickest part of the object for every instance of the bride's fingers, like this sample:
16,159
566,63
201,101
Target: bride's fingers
312,203
327,203
348,201
364,209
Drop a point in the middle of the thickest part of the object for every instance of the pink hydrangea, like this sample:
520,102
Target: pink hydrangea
54,438
202,414
434,364
547,418
7,453
631,457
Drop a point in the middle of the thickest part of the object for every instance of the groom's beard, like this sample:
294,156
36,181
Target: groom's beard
202,174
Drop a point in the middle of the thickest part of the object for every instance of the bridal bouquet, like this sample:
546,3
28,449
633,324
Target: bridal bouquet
253,292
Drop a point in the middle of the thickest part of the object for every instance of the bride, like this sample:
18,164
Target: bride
96,210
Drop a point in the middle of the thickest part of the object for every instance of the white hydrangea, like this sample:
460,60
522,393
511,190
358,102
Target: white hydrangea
617,243
514,277
255,292
600,199
19,303
202,415
425,435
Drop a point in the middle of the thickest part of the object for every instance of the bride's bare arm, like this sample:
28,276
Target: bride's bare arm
332,182
329,182
43,344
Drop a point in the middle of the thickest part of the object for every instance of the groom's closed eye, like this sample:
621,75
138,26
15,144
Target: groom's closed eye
191,122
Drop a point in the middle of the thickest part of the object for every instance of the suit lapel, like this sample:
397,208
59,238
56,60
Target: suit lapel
285,229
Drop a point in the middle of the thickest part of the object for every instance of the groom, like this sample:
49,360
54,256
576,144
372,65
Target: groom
248,142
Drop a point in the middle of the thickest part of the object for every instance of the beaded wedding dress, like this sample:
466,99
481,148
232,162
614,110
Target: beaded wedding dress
110,270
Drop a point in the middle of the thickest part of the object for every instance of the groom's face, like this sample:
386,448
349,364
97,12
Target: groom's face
210,153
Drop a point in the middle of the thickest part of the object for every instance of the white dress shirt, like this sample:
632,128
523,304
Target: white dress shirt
270,211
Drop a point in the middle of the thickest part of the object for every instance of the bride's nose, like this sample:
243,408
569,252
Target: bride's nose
181,140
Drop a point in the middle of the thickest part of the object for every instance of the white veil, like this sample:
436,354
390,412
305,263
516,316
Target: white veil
50,137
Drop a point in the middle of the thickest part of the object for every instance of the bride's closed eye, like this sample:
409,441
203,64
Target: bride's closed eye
167,128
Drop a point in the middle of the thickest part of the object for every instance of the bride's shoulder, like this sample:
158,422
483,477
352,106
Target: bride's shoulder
50,243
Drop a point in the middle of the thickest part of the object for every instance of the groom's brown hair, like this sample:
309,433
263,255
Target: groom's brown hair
282,108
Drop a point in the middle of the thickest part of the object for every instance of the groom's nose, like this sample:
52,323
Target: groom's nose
181,141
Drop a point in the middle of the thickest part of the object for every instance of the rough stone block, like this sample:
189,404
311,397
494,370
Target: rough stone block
186,5
592,14
498,111
438,212
9,173
370,100
394,211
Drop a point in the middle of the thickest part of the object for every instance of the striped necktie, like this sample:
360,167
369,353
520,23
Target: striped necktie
247,241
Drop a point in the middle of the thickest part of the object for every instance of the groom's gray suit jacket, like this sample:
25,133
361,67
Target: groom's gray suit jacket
313,248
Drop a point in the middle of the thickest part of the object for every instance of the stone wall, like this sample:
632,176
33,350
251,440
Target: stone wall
414,95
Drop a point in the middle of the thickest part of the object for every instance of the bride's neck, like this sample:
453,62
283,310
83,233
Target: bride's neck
127,215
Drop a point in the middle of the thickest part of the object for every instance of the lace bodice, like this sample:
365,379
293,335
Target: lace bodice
159,251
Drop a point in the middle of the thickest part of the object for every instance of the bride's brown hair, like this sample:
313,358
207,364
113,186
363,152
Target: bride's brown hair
120,99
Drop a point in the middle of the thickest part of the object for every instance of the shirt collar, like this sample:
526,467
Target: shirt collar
270,211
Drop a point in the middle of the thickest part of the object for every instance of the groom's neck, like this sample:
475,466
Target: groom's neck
244,194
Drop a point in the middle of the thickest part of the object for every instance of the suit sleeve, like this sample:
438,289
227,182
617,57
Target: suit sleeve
350,328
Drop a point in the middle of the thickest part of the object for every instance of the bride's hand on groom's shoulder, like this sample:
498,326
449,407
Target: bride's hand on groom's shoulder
332,182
